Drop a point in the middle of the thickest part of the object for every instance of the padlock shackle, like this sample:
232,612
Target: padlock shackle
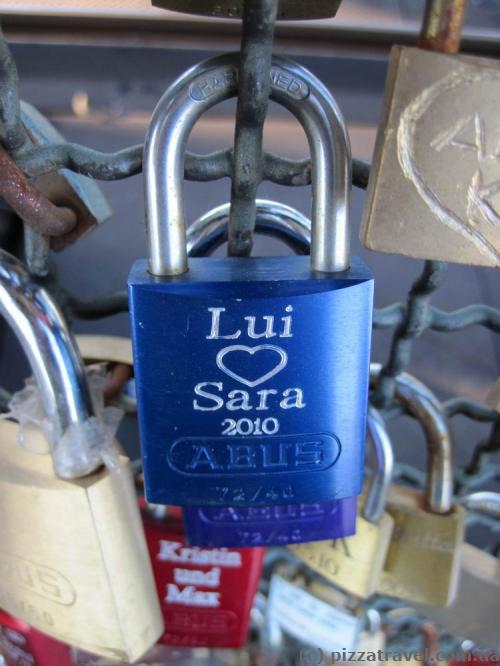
53,356
273,219
381,479
214,81
426,408
485,501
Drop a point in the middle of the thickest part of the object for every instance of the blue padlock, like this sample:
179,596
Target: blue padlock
263,525
251,373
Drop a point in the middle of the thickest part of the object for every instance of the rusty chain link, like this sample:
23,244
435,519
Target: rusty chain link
248,165
31,206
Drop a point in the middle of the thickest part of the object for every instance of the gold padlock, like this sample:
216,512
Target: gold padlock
73,558
479,587
423,561
106,348
434,187
355,563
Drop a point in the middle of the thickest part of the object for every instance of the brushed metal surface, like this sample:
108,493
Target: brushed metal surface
474,613
199,89
356,563
73,558
434,189
423,561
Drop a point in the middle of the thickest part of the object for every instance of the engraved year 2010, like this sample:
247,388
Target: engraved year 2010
233,427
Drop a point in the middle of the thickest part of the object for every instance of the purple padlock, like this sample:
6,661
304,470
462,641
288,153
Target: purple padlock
271,525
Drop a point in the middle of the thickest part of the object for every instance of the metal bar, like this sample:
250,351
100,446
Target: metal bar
254,87
203,168
31,206
414,323
440,320
13,134
442,25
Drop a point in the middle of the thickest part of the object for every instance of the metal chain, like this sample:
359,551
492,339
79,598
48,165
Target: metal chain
254,89
248,165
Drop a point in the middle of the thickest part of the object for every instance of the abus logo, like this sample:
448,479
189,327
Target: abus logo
262,514
41,580
245,456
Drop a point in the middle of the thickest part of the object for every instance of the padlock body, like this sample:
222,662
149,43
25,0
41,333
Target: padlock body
432,192
206,594
251,378
21,645
423,560
480,585
355,564
73,558
270,525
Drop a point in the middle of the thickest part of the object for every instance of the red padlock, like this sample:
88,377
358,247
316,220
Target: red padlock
206,594
21,645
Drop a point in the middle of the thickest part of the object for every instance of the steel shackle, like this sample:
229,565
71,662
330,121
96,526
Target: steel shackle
381,478
273,219
195,92
53,355
426,408
483,501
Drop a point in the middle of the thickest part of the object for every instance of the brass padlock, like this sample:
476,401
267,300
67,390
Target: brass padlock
73,558
355,563
479,586
287,9
423,562
63,187
434,188
105,348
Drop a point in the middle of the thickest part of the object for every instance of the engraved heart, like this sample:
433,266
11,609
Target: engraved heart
463,154
278,367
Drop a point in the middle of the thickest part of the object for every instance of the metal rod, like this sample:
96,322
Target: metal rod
31,206
53,355
203,168
442,25
254,87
